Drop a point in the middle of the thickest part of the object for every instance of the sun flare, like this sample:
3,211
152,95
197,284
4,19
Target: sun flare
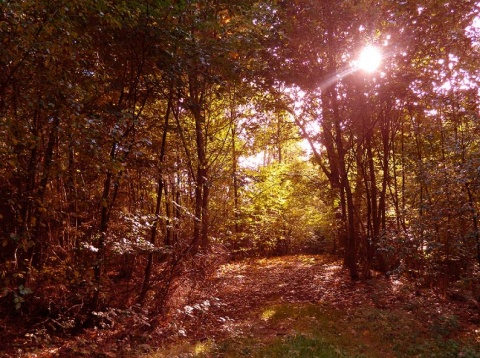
369,59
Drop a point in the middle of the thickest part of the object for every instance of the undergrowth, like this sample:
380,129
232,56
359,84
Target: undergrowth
316,330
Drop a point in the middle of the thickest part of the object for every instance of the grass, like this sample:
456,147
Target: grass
309,330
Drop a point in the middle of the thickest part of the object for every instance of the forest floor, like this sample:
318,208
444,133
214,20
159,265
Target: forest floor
296,306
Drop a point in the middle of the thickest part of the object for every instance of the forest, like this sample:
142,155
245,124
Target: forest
144,144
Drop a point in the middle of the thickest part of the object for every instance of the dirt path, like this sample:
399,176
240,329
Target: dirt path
231,304
236,300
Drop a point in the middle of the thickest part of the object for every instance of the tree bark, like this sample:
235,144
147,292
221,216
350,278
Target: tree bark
160,189
350,259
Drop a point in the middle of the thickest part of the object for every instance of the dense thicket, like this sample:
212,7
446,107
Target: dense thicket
141,138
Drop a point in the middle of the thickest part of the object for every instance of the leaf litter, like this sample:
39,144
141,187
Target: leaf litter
242,299
241,292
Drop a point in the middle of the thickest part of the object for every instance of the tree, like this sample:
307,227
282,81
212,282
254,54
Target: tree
363,122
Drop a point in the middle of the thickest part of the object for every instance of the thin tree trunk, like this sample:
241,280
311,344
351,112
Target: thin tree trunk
37,259
104,219
160,189
168,214
474,220
200,228
350,259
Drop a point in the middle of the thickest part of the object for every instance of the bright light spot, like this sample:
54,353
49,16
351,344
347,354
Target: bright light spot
447,86
473,31
252,161
268,313
202,348
369,59
182,332
306,147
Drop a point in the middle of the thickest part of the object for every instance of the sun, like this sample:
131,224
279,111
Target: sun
370,58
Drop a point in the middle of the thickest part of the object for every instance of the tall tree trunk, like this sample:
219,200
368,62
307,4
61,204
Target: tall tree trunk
350,258
160,189
104,219
233,119
168,216
201,221
37,259
474,215
236,215
201,205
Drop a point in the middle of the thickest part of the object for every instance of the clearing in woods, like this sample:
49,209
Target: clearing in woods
306,306
290,306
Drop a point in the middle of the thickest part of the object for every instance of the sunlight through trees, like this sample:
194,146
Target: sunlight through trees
143,141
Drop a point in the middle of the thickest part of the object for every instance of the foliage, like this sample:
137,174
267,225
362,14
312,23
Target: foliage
127,128
303,311
281,211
